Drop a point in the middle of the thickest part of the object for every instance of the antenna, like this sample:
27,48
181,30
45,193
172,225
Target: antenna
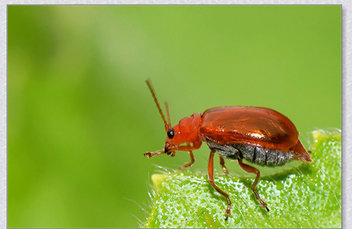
157,103
168,114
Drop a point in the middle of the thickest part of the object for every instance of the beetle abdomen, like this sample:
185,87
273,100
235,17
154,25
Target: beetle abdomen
254,154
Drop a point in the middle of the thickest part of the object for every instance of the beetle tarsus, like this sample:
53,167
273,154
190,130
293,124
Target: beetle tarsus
264,205
228,212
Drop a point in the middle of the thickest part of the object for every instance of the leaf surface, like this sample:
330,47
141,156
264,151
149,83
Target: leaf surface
302,195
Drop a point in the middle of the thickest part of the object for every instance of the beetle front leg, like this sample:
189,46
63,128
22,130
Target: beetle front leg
211,181
190,163
188,147
149,154
185,148
222,163
251,169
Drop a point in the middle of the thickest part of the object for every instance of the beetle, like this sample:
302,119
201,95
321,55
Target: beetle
259,135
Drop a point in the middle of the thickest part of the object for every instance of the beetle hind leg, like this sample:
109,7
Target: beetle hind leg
251,169
222,163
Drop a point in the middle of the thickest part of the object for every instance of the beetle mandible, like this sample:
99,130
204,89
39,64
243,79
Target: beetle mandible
259,135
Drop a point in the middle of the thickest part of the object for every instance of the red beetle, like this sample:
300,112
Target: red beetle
259,135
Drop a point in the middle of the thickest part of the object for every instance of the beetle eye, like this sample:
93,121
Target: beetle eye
170,133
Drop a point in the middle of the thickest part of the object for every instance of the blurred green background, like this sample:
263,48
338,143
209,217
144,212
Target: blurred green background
80,116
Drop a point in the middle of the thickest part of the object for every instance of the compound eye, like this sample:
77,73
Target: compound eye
170,133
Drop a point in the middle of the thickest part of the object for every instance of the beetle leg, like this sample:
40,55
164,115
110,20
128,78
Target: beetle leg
251,169
211,181
185,148
189,163
188,147
222,163
149,154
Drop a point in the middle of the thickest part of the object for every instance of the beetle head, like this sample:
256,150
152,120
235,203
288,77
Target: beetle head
185,132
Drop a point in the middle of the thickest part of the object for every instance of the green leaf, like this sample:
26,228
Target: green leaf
298,195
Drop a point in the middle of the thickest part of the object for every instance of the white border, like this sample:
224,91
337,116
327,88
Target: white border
346,82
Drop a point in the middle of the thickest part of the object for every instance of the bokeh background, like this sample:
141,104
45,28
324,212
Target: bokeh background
80,116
